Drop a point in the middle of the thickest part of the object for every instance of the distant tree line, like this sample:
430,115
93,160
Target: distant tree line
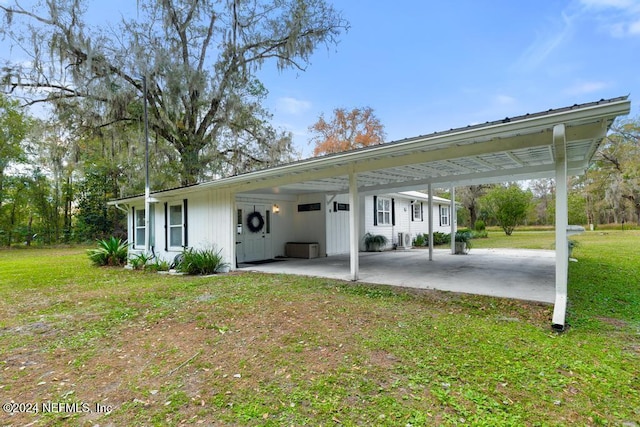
608,193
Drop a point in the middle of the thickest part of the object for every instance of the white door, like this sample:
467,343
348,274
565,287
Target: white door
253,236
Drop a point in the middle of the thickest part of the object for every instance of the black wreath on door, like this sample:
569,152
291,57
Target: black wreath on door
255,222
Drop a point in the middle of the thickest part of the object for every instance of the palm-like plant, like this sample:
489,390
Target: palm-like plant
111,251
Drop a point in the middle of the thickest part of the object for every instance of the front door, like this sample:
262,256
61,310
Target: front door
253,232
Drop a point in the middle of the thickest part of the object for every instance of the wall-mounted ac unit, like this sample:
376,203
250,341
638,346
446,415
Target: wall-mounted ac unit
404,240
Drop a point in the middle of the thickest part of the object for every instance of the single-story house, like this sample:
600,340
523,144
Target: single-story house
265,225
333,200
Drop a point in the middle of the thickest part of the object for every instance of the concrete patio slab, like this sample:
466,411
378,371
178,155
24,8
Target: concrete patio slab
524,274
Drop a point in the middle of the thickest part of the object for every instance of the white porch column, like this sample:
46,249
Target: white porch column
452,220
354,214
430,209
562,251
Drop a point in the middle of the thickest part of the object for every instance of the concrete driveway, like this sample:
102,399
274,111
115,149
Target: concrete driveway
525,274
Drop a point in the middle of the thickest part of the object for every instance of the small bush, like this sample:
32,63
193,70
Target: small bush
158,265
111,252
201,261
139,261
440,238
421,240
479,225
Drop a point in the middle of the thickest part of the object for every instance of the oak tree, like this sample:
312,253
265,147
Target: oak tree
617,169
199,58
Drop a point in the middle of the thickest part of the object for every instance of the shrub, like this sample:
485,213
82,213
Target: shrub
139,261
440,238
111,251
158,265
421,240
201,261
479,225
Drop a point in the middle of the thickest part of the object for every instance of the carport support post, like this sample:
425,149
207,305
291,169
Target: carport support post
429,190
354,213
453,219
562,221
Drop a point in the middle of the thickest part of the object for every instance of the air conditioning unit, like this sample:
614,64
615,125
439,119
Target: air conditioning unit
404,240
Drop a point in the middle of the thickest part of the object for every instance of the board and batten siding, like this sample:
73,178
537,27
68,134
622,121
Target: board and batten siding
337,225
218,224
311,226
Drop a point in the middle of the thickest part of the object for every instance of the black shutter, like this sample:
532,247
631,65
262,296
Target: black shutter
411,206
186,223
133,226
393,211
421,213
375,210
166,227
440,215
335,207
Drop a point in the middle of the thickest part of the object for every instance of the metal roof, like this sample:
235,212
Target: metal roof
510,149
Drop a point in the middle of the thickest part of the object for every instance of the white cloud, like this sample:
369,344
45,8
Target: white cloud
620,18
545,44
582,88
634,28
292,106
620,4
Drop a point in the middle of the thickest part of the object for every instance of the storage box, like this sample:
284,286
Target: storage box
302,249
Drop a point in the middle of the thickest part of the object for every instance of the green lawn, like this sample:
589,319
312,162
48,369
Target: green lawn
251,349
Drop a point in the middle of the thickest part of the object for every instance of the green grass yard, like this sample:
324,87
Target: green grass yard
251,349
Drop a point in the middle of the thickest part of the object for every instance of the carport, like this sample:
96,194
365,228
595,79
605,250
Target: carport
556,143
552,144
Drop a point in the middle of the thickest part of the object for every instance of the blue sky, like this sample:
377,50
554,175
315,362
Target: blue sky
427,66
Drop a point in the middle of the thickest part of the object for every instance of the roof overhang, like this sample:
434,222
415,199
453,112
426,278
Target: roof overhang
511,149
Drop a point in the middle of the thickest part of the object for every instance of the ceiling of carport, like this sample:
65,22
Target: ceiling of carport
506,150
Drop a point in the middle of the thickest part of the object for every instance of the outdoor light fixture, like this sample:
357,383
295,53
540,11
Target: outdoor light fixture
276,209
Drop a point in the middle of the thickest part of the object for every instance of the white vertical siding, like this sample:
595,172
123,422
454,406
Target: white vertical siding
311,226
217,222
337,225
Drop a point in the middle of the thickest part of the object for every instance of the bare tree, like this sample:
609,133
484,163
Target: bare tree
199,58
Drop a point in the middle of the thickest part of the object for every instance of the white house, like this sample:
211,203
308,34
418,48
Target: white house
306,201
264,225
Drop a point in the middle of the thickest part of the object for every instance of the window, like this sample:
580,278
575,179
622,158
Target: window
444,215
140,229
417,211
176,224
383,211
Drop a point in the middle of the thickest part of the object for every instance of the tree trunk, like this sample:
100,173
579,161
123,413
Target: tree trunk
1,185
29,231
191,168
12,220
473,216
